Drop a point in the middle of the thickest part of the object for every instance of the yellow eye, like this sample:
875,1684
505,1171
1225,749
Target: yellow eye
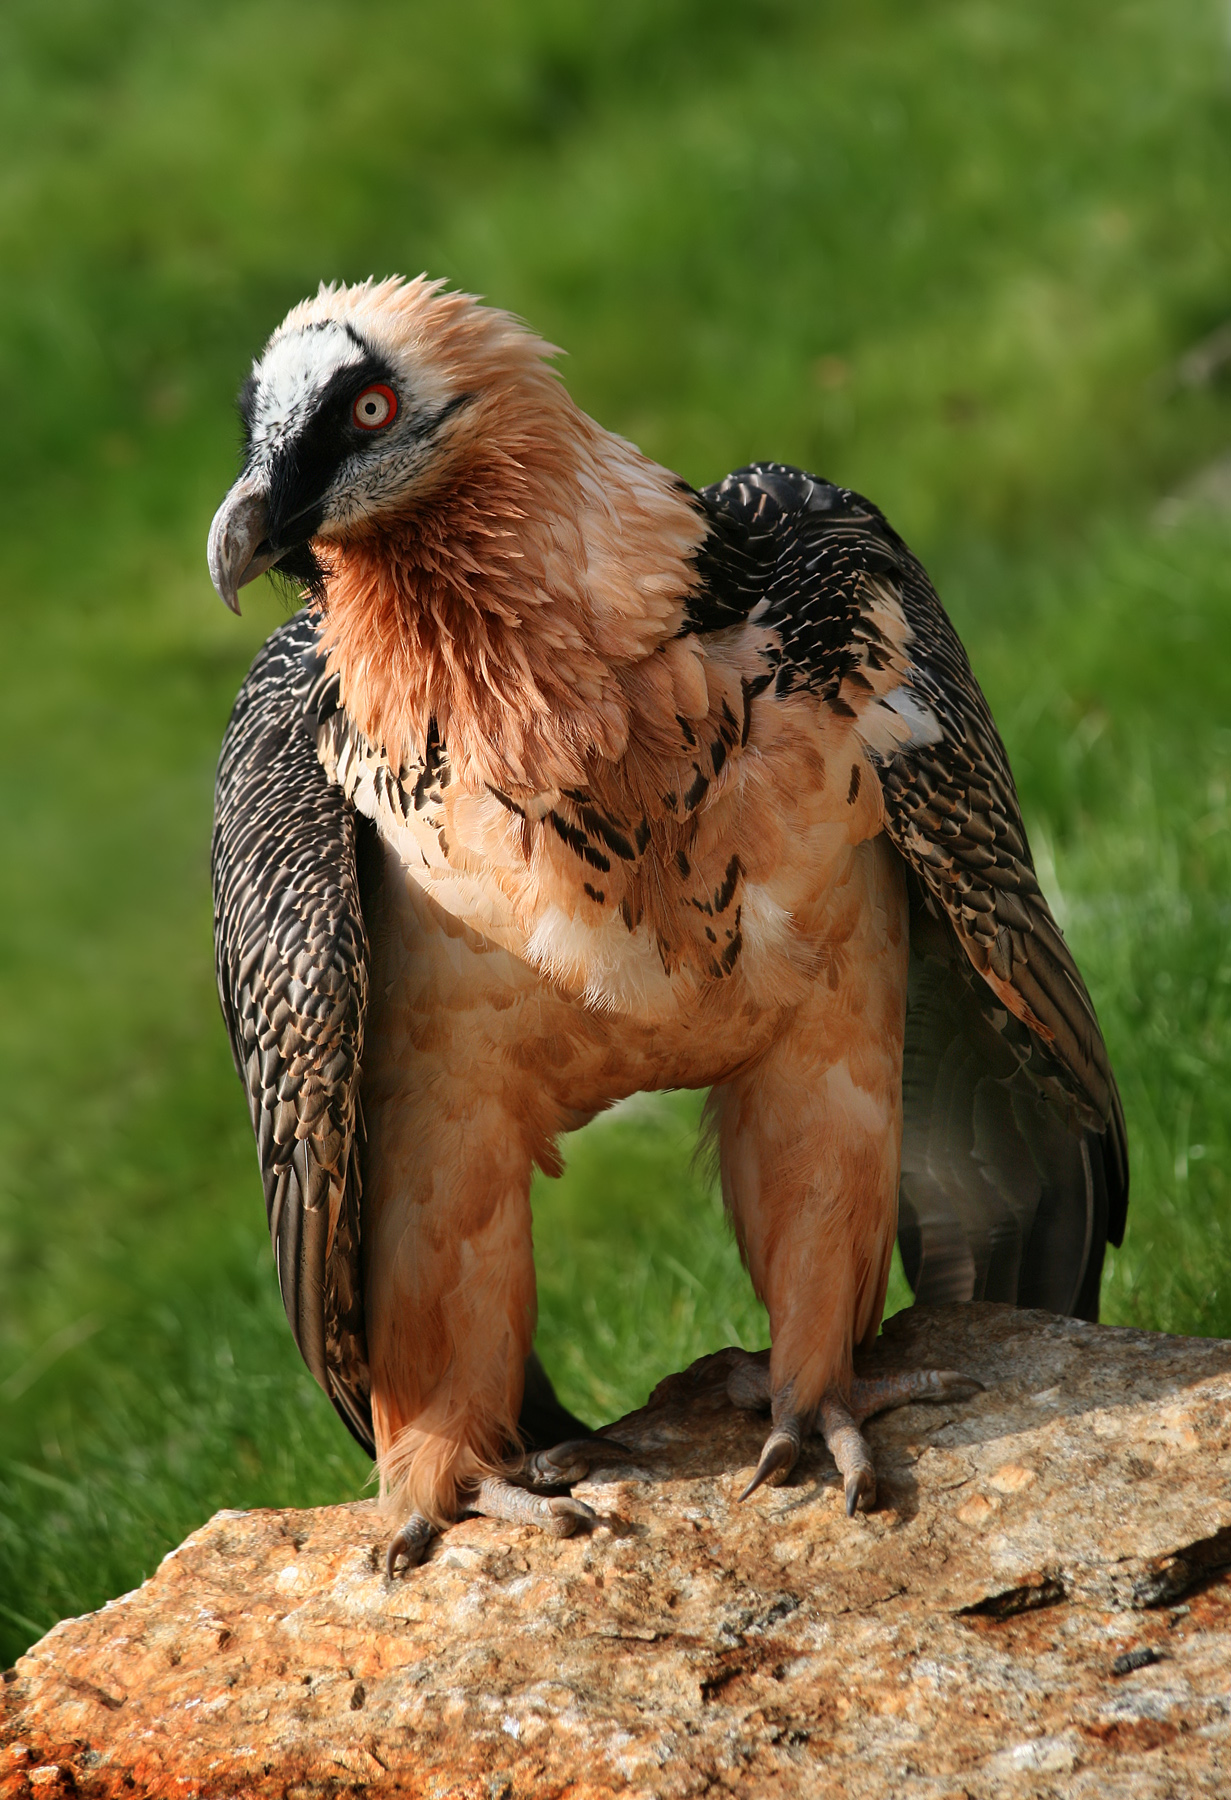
376,406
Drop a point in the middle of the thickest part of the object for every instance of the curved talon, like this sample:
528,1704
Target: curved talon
778,1458
410,1542
860,1490
748,1386
568,1516
557,1467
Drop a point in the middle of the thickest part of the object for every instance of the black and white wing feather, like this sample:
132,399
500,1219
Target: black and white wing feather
292,963
1015,1163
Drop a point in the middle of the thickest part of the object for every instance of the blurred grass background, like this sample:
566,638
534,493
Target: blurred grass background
972,259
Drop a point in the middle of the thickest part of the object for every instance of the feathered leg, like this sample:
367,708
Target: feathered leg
810,1144
455,1119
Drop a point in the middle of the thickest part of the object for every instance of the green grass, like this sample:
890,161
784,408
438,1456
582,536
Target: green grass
948,254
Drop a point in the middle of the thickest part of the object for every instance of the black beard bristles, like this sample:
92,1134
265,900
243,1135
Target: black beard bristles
303,575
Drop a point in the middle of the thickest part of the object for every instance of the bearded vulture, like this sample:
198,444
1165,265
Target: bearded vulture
571,780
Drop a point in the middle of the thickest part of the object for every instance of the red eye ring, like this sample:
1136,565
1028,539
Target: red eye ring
375,407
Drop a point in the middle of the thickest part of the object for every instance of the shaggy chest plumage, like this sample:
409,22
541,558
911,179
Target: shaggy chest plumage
702,923
704,901
637,909
668,840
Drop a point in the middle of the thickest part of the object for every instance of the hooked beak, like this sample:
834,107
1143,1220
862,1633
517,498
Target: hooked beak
238,548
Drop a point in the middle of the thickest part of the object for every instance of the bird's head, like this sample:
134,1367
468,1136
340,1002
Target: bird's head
365,403
481,553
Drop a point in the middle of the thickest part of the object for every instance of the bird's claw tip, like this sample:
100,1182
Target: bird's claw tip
860,1493
777,1459
409,1544
568,1516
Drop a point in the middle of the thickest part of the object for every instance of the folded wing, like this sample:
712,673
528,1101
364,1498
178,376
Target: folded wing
1015,1164
292,965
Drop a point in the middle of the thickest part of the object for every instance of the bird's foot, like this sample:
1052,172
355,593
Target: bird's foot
838,1418
512,1497
496,1498
571,1461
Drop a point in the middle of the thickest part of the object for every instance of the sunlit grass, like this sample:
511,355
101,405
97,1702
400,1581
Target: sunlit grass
947,254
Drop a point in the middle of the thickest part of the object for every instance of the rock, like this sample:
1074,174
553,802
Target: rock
1037,1608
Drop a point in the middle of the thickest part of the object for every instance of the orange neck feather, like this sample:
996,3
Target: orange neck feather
515,602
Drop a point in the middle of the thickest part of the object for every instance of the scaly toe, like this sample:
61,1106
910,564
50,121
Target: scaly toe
559,1515
408,1544
850,1451
880,1393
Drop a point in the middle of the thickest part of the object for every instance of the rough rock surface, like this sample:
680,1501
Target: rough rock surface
1038,1607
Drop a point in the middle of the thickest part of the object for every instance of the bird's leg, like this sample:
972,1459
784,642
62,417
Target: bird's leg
512,1496
849,1449
749,1385
496,1497
872,1394
839,1418
543,1466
